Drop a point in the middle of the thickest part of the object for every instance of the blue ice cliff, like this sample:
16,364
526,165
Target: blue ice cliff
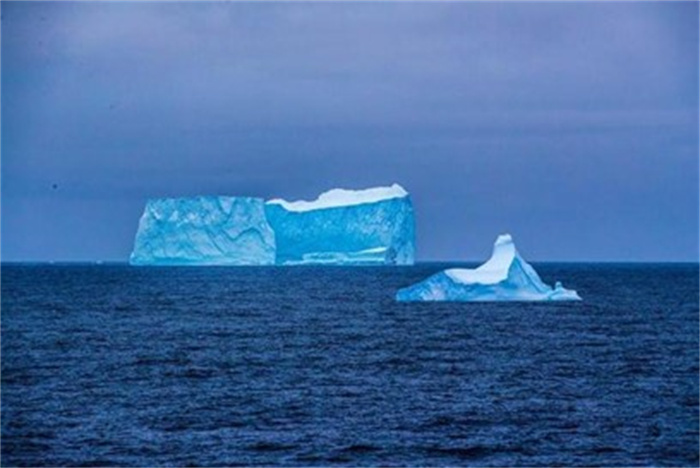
373,226
204,231
504,277
341,227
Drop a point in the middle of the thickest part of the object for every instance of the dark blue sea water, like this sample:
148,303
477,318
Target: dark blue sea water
113,365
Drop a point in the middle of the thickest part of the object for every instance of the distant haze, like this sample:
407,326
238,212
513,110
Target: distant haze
571,125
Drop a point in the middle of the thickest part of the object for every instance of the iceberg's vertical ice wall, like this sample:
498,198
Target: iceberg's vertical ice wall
374,226
204,231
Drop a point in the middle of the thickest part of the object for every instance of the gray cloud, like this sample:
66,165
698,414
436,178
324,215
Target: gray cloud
574,119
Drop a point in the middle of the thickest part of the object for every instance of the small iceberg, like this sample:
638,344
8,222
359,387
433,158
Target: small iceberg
506,276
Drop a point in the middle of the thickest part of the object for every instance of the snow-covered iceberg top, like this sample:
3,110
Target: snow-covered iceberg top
342,197
506,276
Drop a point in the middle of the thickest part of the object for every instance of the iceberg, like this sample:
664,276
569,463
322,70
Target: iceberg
341,227
204,231
506,276
345,227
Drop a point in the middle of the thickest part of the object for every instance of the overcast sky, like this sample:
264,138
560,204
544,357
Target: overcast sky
573,126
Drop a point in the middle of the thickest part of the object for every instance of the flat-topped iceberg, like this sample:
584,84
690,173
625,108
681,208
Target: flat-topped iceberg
204,231
506,276
341,227
372,226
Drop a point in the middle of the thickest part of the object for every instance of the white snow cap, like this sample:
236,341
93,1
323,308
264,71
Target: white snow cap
494,270
342,197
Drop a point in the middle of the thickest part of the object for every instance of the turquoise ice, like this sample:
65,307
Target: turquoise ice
506,276
373,226
341,227
204,231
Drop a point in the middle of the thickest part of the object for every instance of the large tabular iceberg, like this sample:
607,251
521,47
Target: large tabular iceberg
504,277
343,227
373,226
204,231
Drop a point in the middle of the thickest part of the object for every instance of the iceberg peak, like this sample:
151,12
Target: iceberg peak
504,239
494,270
343,197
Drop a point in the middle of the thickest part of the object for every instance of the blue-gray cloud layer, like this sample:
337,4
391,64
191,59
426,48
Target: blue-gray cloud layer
574,126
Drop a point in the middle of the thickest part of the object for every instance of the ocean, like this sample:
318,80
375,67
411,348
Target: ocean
111,365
